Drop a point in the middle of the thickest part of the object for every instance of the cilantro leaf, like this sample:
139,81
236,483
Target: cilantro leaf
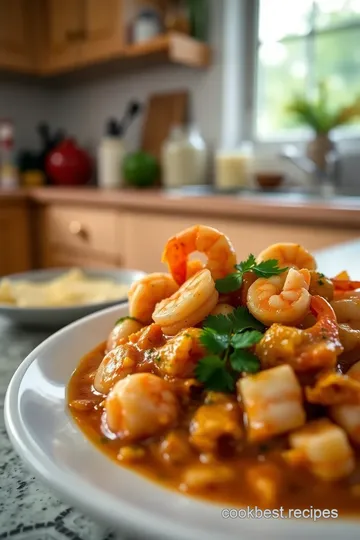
230,283
122,319
264,269
213,341
218,323
246,339
242,319
268,268
246,266
241,360
211,371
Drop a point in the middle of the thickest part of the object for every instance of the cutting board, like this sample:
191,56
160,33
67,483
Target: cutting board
163,111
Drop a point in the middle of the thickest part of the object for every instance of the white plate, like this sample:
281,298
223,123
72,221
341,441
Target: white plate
53,447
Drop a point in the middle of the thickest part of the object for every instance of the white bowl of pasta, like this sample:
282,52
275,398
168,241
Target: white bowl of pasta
184,416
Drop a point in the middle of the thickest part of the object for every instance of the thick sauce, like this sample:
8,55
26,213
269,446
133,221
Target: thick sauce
259,476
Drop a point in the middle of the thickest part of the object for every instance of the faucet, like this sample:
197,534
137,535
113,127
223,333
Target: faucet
321,179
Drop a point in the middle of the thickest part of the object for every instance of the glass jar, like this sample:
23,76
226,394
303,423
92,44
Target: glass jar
184,158
233,168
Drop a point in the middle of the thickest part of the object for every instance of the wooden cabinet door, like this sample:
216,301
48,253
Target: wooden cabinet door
15,43
104,30
15,254
65,33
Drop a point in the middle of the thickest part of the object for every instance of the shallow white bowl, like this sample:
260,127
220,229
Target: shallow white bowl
53,447
56,317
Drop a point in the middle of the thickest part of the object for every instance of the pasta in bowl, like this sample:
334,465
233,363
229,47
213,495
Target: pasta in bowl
233,381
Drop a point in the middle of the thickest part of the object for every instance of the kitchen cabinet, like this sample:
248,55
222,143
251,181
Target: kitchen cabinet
81,32
64,23
52,37
16,45
15,249
80,236
147,233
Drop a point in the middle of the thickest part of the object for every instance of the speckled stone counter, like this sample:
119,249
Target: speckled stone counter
28,511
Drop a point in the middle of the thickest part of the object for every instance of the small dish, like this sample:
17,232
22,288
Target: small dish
57,317
53,447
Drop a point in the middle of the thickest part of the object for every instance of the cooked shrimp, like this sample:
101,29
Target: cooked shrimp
281,299
215,245
122,331
312,349
116,365
289,255
189,305
348,416
273,402
325,448
347,311
145,293
140,406
320,285
192,268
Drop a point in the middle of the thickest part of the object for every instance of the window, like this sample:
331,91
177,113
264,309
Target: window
301,43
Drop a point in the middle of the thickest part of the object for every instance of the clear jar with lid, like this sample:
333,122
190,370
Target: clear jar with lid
233,167
184,158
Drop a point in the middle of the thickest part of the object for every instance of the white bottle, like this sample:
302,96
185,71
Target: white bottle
111,153
184,158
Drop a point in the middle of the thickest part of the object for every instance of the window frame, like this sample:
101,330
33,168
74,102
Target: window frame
300,135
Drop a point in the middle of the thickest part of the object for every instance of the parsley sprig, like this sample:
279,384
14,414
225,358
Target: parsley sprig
265,269
227,339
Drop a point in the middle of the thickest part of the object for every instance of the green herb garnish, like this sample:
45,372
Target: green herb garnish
265,269
122,319
227,339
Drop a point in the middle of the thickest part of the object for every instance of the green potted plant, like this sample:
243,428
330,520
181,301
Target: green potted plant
318,114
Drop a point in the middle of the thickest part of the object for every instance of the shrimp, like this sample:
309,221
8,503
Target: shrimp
325,449
290,255
145,293
222,309
312,349
140,406
280,299
116,365
273,402
121,331
320,285
189,305
348,415
347,311
214,244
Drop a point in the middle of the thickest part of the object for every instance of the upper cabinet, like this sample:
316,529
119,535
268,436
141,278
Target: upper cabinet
17,50
50,37
80,32
64,32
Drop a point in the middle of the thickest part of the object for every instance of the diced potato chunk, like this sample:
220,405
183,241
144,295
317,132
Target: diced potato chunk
211,422
179,356
326,449
267,482
200,476
348,415
273,402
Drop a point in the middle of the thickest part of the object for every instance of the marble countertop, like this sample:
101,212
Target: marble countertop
28,510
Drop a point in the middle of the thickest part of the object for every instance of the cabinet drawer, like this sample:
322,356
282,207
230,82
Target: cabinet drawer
86,230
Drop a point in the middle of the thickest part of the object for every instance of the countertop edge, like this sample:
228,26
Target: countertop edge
222,206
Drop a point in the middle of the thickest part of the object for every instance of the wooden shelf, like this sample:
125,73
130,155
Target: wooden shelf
173,48
177,48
